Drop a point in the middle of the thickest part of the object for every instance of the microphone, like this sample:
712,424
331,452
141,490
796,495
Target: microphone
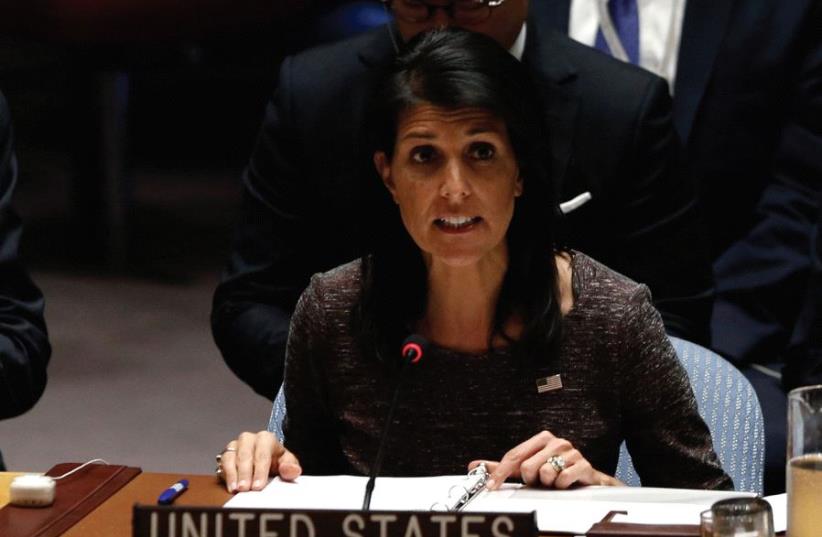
413,349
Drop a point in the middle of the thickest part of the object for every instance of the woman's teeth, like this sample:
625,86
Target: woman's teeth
457,221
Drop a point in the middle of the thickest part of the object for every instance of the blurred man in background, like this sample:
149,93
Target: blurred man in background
747,89
24,347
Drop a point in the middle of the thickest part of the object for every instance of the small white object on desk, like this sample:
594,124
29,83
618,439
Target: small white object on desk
37,490
32,490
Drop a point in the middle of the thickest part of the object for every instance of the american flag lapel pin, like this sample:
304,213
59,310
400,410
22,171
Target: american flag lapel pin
549,384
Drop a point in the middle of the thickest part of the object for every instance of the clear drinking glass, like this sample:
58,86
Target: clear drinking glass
804,479
742,517
706,523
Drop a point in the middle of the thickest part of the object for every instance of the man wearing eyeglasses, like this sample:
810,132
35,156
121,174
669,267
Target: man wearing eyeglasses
613,155
500,19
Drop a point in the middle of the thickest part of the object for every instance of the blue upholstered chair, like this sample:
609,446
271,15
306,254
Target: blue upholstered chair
728,404
275,422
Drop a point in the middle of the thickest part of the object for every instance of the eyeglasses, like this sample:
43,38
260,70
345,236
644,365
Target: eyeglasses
462,11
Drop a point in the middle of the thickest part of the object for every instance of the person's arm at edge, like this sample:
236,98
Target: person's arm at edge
309,427
773,261
670,443
24,347
803,360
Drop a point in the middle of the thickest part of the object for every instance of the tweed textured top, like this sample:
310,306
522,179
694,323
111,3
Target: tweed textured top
621,380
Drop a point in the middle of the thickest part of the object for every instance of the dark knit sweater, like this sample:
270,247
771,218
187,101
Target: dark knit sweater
621,381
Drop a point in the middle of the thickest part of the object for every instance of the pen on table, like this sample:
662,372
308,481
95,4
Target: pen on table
170,494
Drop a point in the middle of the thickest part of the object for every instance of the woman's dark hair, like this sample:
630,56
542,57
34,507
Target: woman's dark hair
454,68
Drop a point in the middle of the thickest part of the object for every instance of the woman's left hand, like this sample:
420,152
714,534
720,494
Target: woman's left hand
548,461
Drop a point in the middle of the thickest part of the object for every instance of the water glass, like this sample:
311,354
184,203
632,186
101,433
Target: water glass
706,523
804,479
742,517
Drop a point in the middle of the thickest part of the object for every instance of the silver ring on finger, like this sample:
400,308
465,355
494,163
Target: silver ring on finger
557,462
219,456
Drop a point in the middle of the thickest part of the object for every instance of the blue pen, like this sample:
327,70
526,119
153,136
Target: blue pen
170,494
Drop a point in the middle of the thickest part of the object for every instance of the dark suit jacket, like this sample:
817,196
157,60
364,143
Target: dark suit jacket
748,106
303,212
803,363
24,347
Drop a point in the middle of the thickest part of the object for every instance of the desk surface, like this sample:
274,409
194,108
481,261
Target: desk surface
113,517
5,482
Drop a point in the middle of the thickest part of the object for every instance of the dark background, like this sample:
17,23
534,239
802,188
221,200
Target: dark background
196,76
135,377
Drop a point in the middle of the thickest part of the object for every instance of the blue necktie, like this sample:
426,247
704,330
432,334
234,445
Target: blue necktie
625,15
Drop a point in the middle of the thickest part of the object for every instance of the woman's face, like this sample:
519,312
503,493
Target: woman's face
455,177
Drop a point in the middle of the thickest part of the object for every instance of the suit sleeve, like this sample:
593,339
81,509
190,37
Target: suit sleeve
664,242
762,277
24,347
669,442
803,362
266,270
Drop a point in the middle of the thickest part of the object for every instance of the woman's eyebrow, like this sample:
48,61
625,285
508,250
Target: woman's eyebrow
423,135
483,128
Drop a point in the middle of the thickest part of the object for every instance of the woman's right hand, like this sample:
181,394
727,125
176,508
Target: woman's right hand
248,461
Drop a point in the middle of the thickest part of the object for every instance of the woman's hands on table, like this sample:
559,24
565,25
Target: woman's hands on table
248,461
545,460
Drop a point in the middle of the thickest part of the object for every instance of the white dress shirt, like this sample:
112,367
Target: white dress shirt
660,30
518,48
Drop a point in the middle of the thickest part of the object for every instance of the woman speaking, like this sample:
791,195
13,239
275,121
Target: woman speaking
541,360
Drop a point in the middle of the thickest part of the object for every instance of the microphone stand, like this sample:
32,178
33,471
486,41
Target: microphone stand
375,468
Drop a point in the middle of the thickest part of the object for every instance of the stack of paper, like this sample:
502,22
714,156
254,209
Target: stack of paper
571,511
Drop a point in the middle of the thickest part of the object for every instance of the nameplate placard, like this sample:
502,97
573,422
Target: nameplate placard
182,521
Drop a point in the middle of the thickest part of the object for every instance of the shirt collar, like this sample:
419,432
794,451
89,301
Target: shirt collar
518,48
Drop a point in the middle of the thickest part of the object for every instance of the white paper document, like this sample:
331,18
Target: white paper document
675,513
779,506
566,511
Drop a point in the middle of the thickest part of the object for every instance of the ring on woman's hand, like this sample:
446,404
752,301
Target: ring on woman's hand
219,456
557,462
219,471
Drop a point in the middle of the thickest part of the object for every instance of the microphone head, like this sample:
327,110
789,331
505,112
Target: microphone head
414,347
